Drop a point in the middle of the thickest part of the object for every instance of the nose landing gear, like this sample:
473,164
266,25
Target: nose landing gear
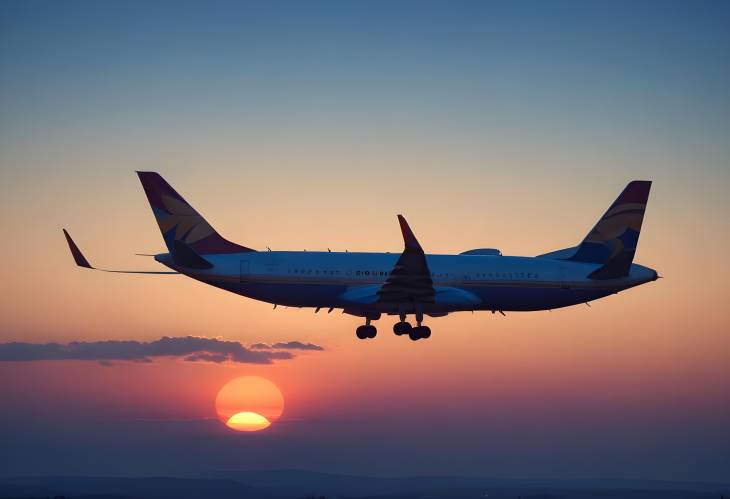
364,332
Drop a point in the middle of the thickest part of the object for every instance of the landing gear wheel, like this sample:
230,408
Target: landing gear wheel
364,332
400,328
425,332
420,332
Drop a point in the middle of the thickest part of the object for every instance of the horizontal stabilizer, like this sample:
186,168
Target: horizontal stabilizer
81,260
79,257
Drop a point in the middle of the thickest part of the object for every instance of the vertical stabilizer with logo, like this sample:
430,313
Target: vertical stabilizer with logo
187,234
613,240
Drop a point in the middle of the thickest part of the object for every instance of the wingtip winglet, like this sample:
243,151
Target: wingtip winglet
408,237
79,257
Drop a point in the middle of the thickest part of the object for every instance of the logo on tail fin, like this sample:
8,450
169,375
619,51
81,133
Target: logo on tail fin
180,223
613,240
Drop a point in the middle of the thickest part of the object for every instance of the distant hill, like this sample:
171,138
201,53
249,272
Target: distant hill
147,488
286,484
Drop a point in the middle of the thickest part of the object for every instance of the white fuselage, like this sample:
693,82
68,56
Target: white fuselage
462,282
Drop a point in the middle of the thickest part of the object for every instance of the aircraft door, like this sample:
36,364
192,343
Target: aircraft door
245,270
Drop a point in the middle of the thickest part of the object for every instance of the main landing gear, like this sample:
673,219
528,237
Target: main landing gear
366,331
414,333
399,328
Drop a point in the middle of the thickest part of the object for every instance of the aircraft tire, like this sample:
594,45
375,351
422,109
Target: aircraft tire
401,328
362,332
419,332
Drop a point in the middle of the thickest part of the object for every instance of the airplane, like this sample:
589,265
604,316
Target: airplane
369,285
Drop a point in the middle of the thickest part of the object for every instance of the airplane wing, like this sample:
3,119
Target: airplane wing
410,280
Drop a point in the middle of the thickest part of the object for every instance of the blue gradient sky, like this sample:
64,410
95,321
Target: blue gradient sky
310,125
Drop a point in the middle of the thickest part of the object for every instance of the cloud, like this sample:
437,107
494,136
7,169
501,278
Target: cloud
289,345
189,348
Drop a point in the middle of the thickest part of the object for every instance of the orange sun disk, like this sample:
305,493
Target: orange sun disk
249,403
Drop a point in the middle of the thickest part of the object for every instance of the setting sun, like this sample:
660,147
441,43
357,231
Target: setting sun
247,421
249,403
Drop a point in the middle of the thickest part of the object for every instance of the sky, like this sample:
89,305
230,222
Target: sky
310,125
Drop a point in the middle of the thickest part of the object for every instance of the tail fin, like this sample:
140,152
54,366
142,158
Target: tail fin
183,229
613,240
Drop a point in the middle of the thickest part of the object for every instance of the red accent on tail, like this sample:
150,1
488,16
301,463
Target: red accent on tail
408,238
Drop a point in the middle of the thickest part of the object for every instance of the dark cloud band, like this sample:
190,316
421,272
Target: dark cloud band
189,348
289,345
